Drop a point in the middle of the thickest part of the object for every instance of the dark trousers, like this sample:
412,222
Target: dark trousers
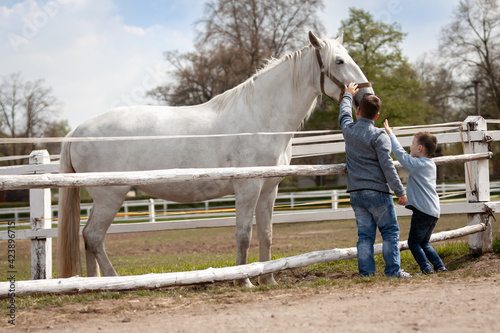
421,229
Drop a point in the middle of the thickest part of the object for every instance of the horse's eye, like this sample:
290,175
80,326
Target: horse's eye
339,61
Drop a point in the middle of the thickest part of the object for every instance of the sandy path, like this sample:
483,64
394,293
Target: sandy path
437,304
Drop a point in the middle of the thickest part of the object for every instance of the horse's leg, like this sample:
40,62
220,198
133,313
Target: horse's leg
246,195
107,202
92,265
263,218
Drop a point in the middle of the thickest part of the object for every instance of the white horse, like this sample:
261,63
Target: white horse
276,99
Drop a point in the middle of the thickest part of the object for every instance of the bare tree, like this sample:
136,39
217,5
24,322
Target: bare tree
471,46
258,28
237,38
55,128
26,110
440,88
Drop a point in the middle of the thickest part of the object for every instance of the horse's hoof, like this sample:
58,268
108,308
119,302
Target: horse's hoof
269,280
245,283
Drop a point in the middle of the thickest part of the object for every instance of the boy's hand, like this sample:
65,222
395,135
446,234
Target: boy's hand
402,200
352,88
388,129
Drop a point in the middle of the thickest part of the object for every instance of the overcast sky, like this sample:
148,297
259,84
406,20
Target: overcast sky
96,54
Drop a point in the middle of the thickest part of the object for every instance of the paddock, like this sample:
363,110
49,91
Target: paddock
478,208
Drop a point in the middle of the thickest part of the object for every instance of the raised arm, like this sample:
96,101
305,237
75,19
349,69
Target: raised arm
345,115
407,161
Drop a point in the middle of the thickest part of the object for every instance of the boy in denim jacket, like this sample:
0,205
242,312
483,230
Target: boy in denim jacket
423,199
370,176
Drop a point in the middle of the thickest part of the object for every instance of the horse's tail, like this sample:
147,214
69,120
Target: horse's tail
68,238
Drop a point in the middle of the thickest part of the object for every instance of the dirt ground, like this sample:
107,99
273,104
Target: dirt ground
439,303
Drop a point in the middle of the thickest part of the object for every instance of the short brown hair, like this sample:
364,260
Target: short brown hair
428,141
369,106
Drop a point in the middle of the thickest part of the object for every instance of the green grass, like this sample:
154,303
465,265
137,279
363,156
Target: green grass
496,245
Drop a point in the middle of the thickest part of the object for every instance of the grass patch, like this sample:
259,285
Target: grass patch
455,255
496,245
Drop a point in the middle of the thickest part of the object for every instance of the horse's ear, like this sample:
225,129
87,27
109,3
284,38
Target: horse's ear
340,38
315,41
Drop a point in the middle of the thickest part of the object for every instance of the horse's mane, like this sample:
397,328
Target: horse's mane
227,99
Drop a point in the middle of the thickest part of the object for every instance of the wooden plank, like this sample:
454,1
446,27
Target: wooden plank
495,135
318,149
182,175
162,176
30,169
424,127
411,131
317,138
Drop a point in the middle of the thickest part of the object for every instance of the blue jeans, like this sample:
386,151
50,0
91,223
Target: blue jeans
421,229
374,209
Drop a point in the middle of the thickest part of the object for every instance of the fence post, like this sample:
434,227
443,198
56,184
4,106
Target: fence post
477,179
40,218
335,198
152,216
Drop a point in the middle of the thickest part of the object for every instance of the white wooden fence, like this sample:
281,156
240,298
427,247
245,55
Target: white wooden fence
42,176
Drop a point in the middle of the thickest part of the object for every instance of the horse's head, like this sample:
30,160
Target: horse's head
339,68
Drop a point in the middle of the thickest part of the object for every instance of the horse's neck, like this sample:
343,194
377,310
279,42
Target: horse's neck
276,104
289,105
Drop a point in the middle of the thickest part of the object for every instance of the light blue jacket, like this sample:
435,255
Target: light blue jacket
421,186
368,150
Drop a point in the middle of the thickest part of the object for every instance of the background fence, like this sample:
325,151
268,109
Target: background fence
155,210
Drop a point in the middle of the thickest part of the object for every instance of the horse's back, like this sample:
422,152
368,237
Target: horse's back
137,123
147,120
192,140
192,137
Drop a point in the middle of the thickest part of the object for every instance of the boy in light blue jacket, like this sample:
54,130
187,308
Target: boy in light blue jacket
423,199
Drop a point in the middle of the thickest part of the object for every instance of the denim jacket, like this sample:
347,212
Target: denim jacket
368,150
